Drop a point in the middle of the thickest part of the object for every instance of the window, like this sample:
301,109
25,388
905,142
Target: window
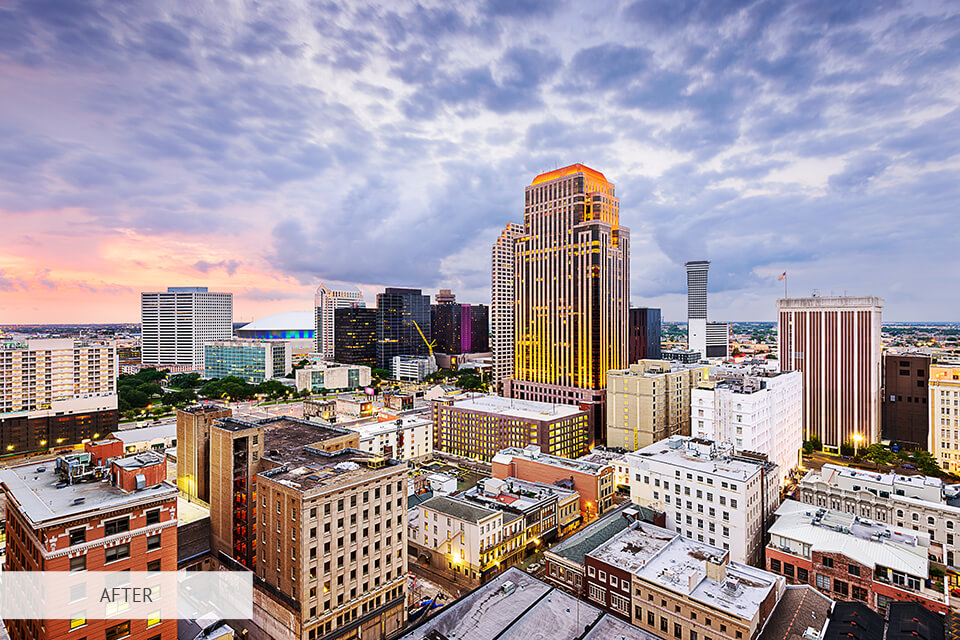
153,565
774,565
153,542
76,623
78,536
120,525
79,563
118,552
153,619
153,517
118,631
853,570
827,562
823,582
803,575
842,588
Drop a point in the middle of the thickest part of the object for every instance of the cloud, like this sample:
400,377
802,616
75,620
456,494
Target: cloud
230,266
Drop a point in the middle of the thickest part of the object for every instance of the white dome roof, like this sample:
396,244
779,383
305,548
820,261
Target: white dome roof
289,321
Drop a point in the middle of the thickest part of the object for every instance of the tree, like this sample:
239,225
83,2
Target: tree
808,448
381,374
926,463
847,448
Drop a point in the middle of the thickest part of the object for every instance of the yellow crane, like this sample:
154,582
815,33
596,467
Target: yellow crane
430,343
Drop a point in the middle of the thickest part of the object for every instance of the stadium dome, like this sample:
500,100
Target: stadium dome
292,325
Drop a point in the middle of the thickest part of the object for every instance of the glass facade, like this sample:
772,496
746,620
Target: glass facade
397,335
247,361
355,339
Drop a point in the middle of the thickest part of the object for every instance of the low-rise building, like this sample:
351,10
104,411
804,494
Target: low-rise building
400,437
617,458
412,368
480,426
685,356
331,376
851,558
944,396
708,492
158,437
354,407
591,480
252,360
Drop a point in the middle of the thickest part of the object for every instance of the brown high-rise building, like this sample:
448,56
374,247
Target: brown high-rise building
835,343
193,449
906,414
572,288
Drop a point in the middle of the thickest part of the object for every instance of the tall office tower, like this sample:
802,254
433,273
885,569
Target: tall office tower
718,340
697,305
479,328
835,342
402,316
944,393
175,324
355,335
502,301
326,302
644,337
445,297
56,392
572,267
193,448
905,412
445,327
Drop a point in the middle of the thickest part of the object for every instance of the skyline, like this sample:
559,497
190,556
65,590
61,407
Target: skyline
263,150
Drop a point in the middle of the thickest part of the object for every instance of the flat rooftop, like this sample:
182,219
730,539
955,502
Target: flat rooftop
830,471
34,487
598,532
144,434
524,409
371,427
635,546
515,493
188,511
459,509
717,463
532,452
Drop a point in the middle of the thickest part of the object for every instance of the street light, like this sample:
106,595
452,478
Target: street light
857,439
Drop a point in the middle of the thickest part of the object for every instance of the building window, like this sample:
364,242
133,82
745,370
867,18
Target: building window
840,587
598,593
774,565
823,582
803,575
118,631
120,525
119,552
153,517
153,542
853,570
827,562
78,536
79,563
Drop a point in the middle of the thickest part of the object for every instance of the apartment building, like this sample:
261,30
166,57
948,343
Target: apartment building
616,458
675,587
332,376
760,412
480,426
193,448
649,402
56,393
708,492
847,557
327,301
944,396
176,323
919,503
502,300
91,511
592,481
401,437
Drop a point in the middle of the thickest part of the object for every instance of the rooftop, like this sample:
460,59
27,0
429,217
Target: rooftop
156,432
517,494
568,171
829,302
655,368
532,452
458,509
911,620
371,427
525,409
575,547
829,471
801,607
203,408
854,621
291,320
604,456
698,454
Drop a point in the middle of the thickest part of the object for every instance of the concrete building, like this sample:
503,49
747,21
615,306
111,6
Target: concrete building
459,328
570,324
684,356
91,511
175,325
403,325
252,360
480,426
332,376
157,438
401,437
920,503
761,412
319,522
835,343
905,415
644,336
412,368
944,395
193,449
475,535
355,335
56,393
851,558
592,481
502,300
717,340
697,306
676,587
296,328
327,300
708,492
617,458
650,401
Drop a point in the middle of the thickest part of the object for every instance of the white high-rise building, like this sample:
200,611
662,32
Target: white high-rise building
697,305
327,300
502,302
176,323
761,412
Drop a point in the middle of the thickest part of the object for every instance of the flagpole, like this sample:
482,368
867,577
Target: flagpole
784,286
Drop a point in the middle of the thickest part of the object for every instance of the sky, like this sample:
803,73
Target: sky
264,147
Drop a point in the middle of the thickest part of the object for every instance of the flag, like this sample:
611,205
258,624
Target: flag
783,276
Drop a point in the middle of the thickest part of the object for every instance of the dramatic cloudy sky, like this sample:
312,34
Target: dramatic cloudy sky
261,147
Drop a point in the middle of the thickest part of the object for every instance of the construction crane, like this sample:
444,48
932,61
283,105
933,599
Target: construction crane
430,343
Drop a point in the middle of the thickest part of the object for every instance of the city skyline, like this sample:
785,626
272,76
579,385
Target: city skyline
164,146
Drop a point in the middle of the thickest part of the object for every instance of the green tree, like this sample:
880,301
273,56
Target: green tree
847,448
926,463
381,374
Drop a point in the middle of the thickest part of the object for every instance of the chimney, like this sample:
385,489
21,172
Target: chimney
717,568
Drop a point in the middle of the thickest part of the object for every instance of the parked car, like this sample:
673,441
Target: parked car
533,568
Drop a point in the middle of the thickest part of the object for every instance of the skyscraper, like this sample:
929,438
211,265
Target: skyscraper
326,301
502,300
835,342
458,327
175,324
402,315
571,266
355,334
697,305
644,339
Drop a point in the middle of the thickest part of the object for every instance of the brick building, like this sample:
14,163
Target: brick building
193,448
905,416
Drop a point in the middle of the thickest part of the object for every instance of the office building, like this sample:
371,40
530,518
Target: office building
697,306
157,437
650,401
676,587
193,448
403,325
905,415
644,334
944,395
480,426
56,393
91,511
708,492
296,328
921,503
459,328
412,368
252,360
835,343
479,328
503,296
355,335
327,300
318,521
592,481
332,376
851,558
684,356
174,325
405,438
570,326
717,340
762,412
